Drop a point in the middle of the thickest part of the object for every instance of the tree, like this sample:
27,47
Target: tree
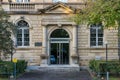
6,30
106,12
100,11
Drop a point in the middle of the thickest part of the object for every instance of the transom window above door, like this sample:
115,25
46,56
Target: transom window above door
60,1
22,1
59,33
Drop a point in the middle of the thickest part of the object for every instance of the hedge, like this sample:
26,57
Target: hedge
7,67
99,66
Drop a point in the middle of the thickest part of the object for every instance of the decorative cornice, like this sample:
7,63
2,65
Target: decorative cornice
58,22
37,48
23,12
28,48
98,48
44,3
14,8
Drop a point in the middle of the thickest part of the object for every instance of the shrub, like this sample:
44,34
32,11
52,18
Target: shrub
112,67
21,66
6,67
94,65
101,66
9,67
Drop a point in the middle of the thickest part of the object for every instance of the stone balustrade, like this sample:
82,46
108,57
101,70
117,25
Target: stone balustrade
22,7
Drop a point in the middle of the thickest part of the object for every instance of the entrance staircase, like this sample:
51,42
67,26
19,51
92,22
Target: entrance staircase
56,72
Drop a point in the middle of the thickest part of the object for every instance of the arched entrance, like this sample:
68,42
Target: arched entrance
59,47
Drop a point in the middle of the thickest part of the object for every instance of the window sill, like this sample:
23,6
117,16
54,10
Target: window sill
97,46
23,47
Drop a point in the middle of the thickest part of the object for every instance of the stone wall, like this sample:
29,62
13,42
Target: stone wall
87,53
30,53
38,20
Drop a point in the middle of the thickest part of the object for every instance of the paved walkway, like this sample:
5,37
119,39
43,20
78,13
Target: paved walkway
56,75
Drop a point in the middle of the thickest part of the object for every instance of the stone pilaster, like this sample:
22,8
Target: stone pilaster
44,39
44,48
74,52
74,39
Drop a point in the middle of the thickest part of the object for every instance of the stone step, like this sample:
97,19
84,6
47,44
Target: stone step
56,75
59,69
54,68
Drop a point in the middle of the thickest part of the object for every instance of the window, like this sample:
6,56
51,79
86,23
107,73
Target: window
59,0
96,35
22,0
63,34
22,33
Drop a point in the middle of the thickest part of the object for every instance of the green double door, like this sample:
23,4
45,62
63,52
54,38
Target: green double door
59,53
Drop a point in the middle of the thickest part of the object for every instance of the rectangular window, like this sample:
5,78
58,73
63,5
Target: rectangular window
96,35
22,33
60,1
23,37
19,37
22,1
26,37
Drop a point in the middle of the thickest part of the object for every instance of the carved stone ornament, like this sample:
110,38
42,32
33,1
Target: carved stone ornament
74,56
44,56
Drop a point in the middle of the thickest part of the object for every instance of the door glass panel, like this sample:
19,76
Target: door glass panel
59,53
53,56
64,53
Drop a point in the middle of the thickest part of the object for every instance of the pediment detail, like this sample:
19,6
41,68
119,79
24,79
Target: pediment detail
58,8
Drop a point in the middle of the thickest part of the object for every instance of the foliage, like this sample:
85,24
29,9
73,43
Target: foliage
105,12
21,66
101,66
112,67
6,29
114,78
3,79
8,67
100,11
94,66
111,78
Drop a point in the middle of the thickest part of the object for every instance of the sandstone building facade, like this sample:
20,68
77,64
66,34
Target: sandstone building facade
46,35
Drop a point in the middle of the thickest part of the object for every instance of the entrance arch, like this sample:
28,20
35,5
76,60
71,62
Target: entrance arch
59,47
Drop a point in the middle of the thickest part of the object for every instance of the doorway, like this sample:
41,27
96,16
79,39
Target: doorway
59,47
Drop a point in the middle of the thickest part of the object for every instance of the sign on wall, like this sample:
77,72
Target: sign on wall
38,43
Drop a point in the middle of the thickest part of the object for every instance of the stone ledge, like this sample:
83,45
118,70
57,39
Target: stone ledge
53,67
